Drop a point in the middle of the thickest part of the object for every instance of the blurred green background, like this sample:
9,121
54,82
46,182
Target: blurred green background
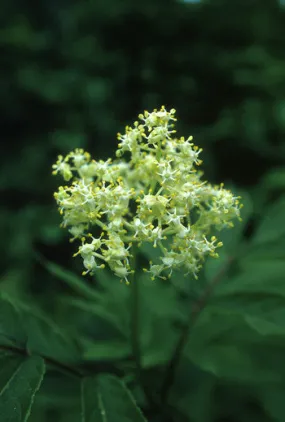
74,73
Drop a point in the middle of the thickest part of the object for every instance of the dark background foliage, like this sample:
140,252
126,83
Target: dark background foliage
73,74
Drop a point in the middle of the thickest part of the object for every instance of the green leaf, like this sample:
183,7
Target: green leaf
234,346
272,227
106,399
22,327
17,395
258,277
107,313
47,339
104,331
11,329
59,391
258,291
246,312
159,309
76,283
255,254
8,365
105,350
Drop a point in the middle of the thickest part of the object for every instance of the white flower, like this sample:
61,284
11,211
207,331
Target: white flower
166,172
141,229
154,195
156,235
79,158
63,168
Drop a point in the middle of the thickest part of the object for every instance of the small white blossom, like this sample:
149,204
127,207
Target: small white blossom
156,194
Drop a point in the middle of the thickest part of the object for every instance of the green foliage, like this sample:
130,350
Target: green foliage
23,366
113,401
75,348
22,383
231,326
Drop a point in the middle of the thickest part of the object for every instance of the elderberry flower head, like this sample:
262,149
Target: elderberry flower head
155,196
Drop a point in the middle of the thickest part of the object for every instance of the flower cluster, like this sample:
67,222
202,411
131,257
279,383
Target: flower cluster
156,196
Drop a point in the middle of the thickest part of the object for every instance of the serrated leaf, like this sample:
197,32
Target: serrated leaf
234,346
103,330
11,329
263,252
259,291
265,327
106,313
159,309
59,391
8,365
47,339
272,226
254,303
106,399
76,283
259,276
21,327
17,395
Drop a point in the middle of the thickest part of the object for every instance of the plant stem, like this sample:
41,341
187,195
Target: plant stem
135,323
60,366
183,338
135,327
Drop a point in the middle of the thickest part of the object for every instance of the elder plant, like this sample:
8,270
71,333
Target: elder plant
152,192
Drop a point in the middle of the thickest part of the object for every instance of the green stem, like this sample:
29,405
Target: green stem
135,332
135,323
183,338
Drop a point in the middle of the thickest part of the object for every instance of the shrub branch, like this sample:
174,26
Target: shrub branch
183,338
